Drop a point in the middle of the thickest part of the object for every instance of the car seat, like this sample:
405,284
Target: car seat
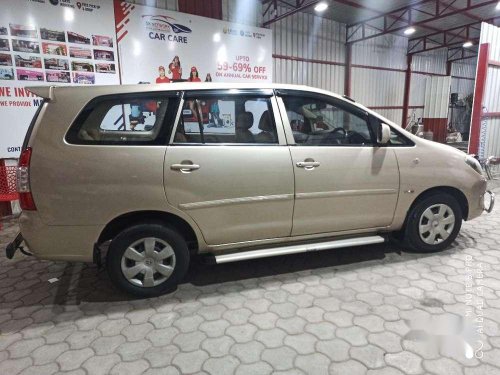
268,133
244,122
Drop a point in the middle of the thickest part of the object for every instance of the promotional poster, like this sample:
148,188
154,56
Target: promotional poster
160,46
50,42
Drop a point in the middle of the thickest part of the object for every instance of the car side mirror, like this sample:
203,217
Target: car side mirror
384,134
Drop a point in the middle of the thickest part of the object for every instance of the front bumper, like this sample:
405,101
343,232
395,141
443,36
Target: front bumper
491,203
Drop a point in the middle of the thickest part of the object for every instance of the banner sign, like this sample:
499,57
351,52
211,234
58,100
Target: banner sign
160,46
50,42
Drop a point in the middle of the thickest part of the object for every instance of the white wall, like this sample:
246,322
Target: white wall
308,37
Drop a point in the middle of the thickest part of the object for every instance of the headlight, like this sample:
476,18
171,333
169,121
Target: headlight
474,164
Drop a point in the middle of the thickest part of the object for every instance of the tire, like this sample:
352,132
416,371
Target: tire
158,263
433,223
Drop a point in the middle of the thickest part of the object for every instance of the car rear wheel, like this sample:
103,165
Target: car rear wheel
147,259
433,223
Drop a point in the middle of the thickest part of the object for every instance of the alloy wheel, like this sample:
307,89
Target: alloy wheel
436,224
148,262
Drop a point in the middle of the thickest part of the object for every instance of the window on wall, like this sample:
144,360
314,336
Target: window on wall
133,119
319,122
226,119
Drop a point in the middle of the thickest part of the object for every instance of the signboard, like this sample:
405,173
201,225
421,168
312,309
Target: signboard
50,42
161,46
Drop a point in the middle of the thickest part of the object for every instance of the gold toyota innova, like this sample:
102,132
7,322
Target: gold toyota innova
157,173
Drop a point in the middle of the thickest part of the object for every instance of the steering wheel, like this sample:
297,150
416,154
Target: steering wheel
339,129
330,137
355,138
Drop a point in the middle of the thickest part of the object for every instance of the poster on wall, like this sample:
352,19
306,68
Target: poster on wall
50,42
161,46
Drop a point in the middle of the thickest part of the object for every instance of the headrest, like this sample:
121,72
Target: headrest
244,120
265,123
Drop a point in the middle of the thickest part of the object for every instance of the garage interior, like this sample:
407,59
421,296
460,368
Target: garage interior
363,310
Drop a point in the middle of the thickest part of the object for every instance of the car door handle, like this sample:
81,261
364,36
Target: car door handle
184,167
308,164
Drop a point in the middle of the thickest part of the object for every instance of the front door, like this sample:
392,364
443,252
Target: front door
228,166
343,181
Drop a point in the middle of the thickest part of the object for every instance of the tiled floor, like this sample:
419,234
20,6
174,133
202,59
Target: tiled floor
366,310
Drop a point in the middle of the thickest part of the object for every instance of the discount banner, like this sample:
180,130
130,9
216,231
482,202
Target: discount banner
160,46
50,42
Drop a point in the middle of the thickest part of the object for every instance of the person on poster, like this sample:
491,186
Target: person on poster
162,78
194,76
175,69
214,120
208,78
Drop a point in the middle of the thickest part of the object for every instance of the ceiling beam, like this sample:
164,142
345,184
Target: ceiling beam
300,7
431,46
444,38
404,19
468,14
460,53
378,12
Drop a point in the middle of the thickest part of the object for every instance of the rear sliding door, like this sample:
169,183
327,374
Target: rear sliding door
228,167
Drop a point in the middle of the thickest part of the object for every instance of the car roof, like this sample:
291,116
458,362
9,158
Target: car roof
44,91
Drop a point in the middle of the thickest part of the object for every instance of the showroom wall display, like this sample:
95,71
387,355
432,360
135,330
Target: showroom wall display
50,43
157,45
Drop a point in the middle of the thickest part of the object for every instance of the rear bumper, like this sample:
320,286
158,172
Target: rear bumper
12,247
58,242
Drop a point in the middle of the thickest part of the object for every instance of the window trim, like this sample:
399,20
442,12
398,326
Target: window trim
260,93
71,136
332,100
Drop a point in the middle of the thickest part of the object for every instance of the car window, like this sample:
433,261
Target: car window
317,122
398,140
129,120
226,119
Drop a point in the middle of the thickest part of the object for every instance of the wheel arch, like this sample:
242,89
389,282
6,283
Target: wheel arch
454,192
126,220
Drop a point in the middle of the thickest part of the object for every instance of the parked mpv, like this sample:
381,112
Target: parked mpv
157,173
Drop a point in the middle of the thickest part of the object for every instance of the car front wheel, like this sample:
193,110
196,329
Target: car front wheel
433,223
147,259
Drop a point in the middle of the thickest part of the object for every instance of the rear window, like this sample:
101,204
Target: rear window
131,119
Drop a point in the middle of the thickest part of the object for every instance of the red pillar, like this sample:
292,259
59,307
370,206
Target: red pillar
406,95
348,68
477,106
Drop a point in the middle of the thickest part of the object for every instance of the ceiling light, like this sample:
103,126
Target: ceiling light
321,7
409,31
498,6
467,44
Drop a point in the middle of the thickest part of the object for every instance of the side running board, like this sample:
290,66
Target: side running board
294,249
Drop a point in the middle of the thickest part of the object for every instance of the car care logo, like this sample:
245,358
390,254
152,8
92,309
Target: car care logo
164,24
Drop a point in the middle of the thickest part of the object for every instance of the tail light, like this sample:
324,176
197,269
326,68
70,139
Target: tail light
23,181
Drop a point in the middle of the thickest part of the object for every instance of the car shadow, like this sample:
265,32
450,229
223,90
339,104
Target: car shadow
60,286
86,283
